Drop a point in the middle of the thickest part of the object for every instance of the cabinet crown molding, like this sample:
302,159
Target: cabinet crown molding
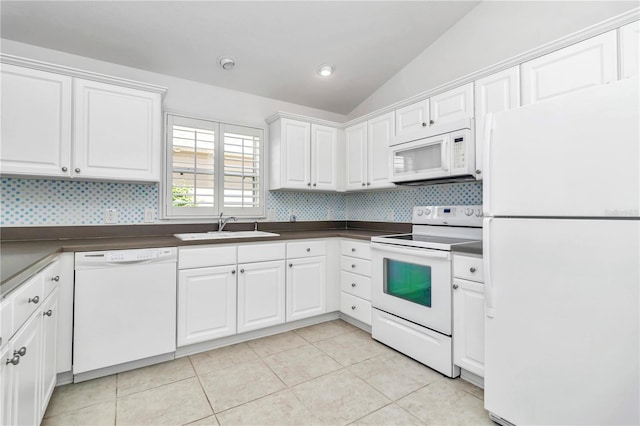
75,72
281,114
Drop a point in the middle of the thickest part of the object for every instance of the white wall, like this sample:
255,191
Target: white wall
491,32
184,96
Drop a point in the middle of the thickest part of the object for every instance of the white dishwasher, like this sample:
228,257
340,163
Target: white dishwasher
124,307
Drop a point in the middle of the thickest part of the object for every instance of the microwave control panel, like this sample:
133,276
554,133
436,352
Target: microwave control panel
459,152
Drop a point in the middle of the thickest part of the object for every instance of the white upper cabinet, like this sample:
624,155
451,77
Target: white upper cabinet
36,122
412,118
589,63
303,155
324,157
355,139
630,50
452,105
495,93
116,132
380,130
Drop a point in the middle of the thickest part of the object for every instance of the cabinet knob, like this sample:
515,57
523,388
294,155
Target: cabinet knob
242,271
455,286
353,249
309,184
22,351
472,269
15,360
34,299
77,170
353,307
364,184
233,271
368,183
48,313
478,171
424,124
64,169
314,184
308,249
56,278
353,284
353,265
432,122
291,265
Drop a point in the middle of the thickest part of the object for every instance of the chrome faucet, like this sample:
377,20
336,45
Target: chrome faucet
222,222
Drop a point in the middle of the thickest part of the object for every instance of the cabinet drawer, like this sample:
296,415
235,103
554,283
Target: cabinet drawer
260,252
356,249
357,285
26,299
355,265
306,249
467,267
204,256
50,277
6,320
355,307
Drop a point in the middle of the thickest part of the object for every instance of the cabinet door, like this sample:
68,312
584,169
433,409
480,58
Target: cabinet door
495,93
630,50
589,63
49,314
261,295
468,326
206,304
116,132
306,287
36,122
355,157
296,146
379,133
6,384
452,105
412,118
26,375
324,157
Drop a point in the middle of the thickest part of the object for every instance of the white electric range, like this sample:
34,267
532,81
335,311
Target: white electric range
412,279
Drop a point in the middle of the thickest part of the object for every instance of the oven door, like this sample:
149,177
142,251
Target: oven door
413,283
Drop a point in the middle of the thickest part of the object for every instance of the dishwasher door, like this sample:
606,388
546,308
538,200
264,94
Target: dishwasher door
125,307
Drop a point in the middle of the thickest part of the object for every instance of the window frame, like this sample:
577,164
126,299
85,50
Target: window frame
218,127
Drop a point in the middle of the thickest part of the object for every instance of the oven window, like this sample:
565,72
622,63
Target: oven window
408,281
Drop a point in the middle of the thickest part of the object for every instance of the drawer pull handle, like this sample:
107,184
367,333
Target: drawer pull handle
353,284
353,265
472,269
455,286
48,313
15,360
291,265
308,250
353,249
34,299
21,352
56,278
353,307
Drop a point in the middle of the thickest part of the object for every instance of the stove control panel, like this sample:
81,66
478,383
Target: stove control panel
466,215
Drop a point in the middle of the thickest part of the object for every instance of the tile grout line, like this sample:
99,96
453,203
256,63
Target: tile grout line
197,376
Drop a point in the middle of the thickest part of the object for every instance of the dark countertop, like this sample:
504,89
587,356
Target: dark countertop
21,259
473,248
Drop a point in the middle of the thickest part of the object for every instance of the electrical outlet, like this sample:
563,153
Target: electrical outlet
390,216
149,215
271,214
330,214
111,216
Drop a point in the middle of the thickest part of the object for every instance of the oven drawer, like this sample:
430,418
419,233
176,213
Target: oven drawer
355,265
423,345
356,249
355,307
357,285
468,268
306,249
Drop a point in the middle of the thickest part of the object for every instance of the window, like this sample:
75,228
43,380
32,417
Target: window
213,168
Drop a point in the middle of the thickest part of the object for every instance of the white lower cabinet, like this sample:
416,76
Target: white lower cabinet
261,295
49,316
306,287
468,314
206,304
355,280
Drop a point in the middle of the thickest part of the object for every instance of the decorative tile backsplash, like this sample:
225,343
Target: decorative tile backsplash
47,202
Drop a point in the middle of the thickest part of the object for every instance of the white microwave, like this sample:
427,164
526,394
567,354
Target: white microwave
434,158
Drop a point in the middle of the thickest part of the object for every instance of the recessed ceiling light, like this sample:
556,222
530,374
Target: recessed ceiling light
325,70
227,63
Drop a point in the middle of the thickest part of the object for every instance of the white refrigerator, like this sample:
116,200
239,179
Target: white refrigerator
562,260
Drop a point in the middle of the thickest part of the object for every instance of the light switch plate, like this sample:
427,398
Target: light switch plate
111,216
149,215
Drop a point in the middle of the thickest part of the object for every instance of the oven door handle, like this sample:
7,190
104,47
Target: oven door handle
389,248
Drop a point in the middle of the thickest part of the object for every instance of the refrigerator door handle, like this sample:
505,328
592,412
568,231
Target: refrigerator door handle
489,289
486,151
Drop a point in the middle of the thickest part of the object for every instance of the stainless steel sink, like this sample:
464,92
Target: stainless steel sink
215,235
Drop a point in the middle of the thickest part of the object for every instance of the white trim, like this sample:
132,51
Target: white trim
282,114
74,72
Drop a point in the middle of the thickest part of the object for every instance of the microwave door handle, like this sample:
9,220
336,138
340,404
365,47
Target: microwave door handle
445,153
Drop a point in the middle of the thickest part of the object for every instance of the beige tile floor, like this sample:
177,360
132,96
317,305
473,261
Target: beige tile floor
327,374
